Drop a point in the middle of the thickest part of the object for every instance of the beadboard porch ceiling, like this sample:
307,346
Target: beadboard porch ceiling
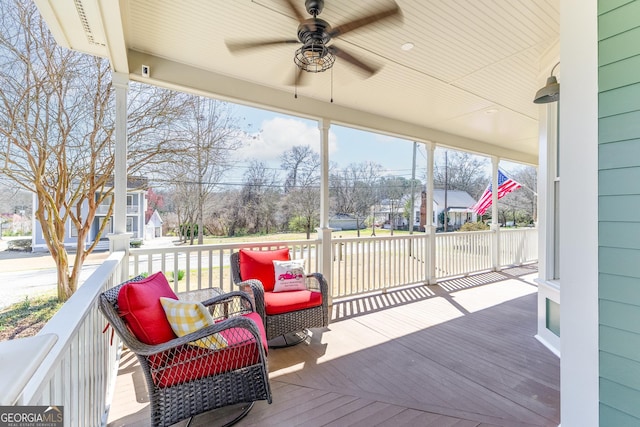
468,83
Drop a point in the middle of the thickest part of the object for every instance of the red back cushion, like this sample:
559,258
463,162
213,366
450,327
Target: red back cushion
259,265
139,304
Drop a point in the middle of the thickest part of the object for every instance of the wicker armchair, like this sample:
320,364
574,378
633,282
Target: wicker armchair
183,379
290,326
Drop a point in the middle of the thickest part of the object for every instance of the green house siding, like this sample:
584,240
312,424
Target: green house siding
619,211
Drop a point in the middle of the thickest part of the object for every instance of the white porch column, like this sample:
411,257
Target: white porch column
429,227
495,223
324,231
579,245
119,239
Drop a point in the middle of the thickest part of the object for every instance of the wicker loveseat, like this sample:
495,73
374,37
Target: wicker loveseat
285,314
189,375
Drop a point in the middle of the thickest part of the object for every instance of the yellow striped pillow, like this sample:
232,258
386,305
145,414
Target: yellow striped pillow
188,316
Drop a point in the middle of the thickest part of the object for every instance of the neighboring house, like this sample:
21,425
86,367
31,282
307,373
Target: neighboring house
136,208
6,220
458,206
392,210
345,222
153,227
396,209
15,223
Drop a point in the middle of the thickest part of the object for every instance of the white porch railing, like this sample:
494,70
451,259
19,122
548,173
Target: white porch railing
367,264
359,265
79,370
207,266
461,253
79,365
518,246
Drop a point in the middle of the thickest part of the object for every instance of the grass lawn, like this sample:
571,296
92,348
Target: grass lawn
365,232
26,318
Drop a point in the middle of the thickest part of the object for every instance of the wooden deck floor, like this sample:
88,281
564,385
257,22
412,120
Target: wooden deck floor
461,353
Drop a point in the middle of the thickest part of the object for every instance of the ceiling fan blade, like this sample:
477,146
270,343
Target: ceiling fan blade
239,46
300,17
357,23
299,78
352,60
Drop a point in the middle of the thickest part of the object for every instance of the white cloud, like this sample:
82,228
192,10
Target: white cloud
278,135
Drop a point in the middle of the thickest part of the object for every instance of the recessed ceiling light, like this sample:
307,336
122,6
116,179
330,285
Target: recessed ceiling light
407,46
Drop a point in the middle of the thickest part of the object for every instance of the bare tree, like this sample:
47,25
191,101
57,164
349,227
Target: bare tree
223,214
185,200
520,206
260,196
208,138
394,189
56,132
302,166
527,196
462,171
305,204
302,185
232,213
15,209
353,189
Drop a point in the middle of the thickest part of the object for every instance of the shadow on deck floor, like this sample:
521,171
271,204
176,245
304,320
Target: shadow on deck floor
458,353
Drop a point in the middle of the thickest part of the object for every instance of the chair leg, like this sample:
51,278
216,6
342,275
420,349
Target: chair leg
240,416
246,408
289,340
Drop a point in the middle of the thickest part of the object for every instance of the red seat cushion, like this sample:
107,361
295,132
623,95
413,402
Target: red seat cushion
139,304
233,337
259,265
285,302
192,362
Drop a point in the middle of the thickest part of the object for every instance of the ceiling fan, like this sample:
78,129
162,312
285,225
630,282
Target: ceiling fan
317,52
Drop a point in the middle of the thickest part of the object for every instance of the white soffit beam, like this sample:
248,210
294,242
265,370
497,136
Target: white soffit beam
112,25
75,25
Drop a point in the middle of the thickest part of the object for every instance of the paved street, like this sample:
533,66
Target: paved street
25,274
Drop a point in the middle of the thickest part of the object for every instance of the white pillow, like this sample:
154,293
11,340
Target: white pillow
289,275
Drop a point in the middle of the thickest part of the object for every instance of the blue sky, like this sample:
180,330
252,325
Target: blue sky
275,133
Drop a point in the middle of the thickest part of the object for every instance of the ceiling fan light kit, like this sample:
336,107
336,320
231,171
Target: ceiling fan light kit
314,57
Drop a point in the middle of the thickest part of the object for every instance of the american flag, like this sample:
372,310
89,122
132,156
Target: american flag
505,186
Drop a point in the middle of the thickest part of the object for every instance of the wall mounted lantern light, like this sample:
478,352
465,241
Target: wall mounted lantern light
550,92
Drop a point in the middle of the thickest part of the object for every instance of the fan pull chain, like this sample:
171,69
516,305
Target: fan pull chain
332,85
